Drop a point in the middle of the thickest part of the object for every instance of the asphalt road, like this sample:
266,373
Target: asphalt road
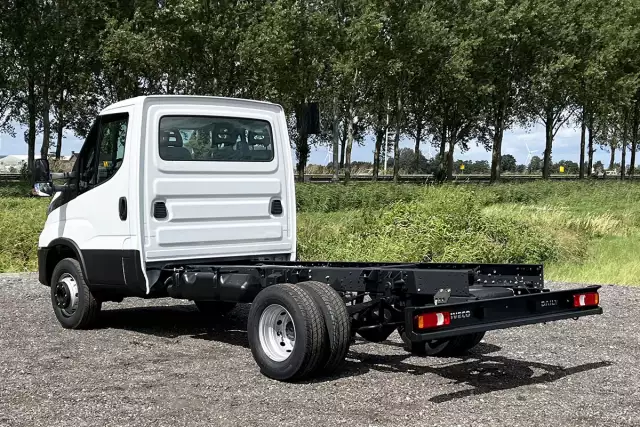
159,363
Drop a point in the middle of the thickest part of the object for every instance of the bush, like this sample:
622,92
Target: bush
448,226
336,197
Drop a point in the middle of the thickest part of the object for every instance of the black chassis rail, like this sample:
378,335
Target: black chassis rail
398,291
382,279
500,313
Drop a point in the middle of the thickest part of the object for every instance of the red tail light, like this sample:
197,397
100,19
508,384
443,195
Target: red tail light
586,300
432,320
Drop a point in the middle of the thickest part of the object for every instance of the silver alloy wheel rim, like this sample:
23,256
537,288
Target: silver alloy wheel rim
67,294
277,333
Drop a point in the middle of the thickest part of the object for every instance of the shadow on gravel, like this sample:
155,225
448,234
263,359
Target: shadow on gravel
179,320
479,369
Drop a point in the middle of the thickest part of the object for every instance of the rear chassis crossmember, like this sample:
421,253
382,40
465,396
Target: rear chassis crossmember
396,292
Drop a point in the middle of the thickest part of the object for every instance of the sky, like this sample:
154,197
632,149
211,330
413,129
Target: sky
565,147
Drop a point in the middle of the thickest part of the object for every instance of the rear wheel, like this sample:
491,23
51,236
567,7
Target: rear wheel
286,332
73,303
337,324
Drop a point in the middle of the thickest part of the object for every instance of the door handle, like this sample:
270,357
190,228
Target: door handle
122,208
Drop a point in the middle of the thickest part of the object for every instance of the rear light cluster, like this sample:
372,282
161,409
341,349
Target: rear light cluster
433,320
586,300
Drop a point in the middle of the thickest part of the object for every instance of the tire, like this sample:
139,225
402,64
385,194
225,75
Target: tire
377,334
73,303
275,313
215,308
337,324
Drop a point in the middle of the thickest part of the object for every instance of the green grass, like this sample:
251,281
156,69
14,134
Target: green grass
585,232
609,260
21,221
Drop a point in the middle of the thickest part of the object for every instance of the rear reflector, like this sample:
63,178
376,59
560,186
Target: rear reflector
433,320
585,300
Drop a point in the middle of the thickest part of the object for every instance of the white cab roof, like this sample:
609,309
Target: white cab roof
192,99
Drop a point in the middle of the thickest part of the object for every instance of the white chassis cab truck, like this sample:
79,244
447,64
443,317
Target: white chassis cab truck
193,197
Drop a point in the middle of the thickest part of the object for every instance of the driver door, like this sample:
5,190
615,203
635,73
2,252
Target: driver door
92,216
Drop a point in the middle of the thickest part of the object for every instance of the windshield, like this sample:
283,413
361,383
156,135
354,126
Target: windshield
221,139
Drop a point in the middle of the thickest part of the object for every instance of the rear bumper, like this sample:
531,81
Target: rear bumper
500,313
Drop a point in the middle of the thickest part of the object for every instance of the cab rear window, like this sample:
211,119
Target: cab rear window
215,139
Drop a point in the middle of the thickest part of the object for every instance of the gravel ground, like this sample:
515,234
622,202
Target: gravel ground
157,363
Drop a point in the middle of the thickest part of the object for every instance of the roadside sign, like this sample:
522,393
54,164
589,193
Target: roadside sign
462,166
561,169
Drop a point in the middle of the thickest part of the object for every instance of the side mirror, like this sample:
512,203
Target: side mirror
42,184
42,189
41,172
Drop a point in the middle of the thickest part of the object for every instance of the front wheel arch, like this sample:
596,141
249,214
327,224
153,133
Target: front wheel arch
58,250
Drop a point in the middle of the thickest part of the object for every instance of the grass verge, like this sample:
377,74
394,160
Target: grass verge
582,231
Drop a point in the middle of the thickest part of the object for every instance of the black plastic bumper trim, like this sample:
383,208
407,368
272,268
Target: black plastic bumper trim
483,327
500,313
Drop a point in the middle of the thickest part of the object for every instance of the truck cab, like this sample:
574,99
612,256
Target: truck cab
166,179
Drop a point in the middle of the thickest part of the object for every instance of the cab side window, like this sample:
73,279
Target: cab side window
113,136
103,151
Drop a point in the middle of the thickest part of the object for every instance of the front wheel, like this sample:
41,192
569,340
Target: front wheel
73,303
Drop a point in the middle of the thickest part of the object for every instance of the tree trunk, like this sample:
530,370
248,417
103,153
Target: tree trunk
496,155
443,142
583,132
60,129
46,115
380,131
590,149
546,169
441,167
417,150
496,149
452,146
343,145
302,151
335,141
634,138
625,128
396,141
612,146
46,123
31,138
347,160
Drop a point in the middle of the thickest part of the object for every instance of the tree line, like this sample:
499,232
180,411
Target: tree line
430,166
441,72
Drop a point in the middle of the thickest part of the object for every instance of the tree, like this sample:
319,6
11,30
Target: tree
454,108
8,83
502,65
508,163
535,165
407,162
552,80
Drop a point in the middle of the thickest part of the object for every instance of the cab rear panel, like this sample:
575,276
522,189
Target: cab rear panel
217,181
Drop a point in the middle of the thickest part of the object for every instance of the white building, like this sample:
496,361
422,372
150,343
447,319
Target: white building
13,162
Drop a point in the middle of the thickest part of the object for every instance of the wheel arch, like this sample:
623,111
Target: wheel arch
57,250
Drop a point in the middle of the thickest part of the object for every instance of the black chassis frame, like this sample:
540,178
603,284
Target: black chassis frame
396,292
